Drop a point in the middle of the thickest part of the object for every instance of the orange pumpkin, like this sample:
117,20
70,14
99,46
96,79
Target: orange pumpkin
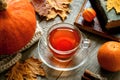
17,25
89,14
109,56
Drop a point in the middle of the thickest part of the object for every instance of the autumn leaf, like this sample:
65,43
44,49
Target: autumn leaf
41,7
15,70
113,4
52,8
27,70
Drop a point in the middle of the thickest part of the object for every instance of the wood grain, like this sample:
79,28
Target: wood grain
91,64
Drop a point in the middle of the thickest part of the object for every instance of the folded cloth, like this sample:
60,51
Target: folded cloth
6,61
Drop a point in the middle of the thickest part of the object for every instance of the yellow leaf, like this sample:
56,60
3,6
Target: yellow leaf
113,4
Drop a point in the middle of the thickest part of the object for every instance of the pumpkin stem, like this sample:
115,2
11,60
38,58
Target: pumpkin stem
3,5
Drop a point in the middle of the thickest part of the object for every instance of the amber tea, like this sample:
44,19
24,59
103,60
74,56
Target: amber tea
63,41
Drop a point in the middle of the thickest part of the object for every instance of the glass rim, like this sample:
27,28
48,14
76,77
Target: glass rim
70,26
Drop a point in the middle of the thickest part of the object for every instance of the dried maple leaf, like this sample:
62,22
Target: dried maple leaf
16,72
113,4
35,66
28,70
64,1
52,8
52,14
41,7
59,4
61,8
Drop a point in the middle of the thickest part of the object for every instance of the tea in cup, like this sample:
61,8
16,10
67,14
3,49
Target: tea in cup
63,40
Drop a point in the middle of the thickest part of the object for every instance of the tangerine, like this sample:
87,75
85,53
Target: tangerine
109,56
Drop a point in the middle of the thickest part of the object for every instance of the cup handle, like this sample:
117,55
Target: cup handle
86,43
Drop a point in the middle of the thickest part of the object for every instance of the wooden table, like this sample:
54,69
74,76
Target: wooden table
91,64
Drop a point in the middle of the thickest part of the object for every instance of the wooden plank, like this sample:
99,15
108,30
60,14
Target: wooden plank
93,27
92,63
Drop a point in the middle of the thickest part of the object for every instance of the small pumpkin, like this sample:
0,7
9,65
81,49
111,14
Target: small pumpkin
109,56
89,14
17,25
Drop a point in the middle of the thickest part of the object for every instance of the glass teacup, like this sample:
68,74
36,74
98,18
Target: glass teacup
64,47
63,40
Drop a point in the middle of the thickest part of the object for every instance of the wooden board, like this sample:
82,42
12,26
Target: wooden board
93,27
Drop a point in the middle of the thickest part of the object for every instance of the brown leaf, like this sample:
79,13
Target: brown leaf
16,72
28,70
52,8
41,7
35,66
